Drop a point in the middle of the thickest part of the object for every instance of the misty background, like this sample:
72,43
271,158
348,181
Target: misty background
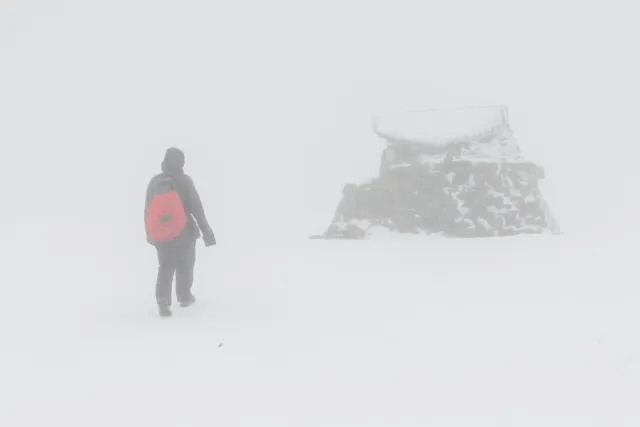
272,101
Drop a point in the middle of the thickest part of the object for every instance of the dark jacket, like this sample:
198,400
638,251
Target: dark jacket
173,165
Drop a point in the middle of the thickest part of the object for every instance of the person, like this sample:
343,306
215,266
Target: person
176,250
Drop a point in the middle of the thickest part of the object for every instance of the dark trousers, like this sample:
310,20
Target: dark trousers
179,259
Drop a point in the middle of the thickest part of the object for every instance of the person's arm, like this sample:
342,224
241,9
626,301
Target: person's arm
197,210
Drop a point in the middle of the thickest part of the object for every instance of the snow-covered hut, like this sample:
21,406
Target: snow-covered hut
456,173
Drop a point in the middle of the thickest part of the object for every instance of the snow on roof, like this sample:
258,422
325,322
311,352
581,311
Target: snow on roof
440,127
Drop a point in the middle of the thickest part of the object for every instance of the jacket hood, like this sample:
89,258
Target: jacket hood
173,161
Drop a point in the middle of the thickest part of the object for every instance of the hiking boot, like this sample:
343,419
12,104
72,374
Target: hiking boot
164,309
188,302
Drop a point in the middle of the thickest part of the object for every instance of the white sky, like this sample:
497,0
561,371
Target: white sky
271,101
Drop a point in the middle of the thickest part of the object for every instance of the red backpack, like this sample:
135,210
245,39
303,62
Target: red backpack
166,217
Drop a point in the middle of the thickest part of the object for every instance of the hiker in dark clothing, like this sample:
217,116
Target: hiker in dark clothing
178,256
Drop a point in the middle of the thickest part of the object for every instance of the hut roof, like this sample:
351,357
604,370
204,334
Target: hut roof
440,127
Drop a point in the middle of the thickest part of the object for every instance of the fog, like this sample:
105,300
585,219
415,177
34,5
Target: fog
272,104
272,101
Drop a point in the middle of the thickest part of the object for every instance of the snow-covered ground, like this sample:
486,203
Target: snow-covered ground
523,331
